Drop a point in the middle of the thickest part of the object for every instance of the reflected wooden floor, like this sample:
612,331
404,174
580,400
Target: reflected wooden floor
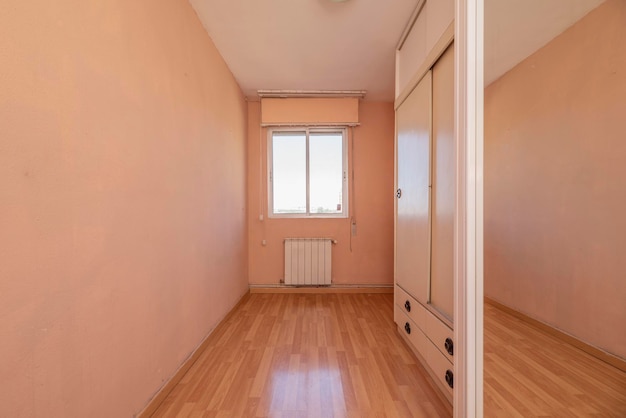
306,355
529,373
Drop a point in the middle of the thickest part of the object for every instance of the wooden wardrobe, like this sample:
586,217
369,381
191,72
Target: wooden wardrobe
425,204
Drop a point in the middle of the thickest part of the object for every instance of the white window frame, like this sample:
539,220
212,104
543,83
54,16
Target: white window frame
270,164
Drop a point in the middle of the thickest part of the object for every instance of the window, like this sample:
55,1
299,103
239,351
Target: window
308,172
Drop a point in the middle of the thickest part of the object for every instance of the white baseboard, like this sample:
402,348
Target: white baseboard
339,288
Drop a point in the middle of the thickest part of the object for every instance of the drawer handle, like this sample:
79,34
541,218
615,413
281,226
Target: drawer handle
450,378
407,328
449,345
407,306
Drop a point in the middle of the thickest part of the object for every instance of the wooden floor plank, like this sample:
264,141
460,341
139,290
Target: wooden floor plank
530,373
339,355
307,355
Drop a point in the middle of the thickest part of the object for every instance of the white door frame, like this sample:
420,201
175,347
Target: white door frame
468,273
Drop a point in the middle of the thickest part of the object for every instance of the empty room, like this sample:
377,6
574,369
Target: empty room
312,208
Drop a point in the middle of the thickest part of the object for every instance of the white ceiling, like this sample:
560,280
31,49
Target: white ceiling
324,45
308,44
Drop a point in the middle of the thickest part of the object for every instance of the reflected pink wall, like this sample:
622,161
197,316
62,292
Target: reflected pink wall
555,182
122,201
371,259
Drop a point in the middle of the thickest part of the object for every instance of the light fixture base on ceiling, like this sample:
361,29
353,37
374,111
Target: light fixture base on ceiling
311,93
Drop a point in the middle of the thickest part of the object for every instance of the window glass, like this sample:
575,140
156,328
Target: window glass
326,172
289,172
308,172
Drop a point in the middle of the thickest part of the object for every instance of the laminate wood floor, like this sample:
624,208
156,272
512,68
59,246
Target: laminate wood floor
530,373
339,355
306,355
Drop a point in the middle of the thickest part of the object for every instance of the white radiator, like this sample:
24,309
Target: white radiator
307,261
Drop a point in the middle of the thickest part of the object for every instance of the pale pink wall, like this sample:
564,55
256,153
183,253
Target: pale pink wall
371,259
122,201
555,182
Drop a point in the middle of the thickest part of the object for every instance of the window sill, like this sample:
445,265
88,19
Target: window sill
340,216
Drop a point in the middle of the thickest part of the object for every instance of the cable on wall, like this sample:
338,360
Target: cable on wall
352,196
262,176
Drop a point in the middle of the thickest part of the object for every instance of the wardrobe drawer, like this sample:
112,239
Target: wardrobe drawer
441,367
441,335
416,336
411,307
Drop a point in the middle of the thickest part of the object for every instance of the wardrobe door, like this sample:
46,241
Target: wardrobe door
413,194
443,172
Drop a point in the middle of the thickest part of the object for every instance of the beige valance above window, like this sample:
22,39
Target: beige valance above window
342,111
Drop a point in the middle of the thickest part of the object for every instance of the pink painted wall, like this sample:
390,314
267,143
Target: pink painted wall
122,201
555,191
371,204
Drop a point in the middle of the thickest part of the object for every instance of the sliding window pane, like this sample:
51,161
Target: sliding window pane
326,172
289,172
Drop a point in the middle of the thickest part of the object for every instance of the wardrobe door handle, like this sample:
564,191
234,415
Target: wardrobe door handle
450,378
407,328
407,306
449,345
